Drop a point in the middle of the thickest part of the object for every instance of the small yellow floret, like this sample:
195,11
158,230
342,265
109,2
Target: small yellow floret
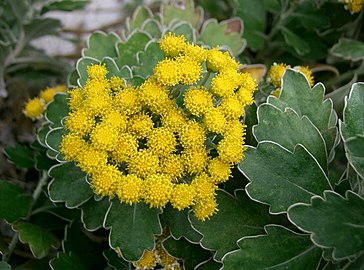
172,45
215,120
354,6
245,96
158,190
97,72
76,98
166,72
195,160
166,260
173,166
193,135
115,120
104,137
219,170
34,108
276,72
130,189
198,53
230,150
204,185
105,180
183,196
128,101
161,142
205,208
80,122
90,160
72,144
147,261
217,60
126,147
231,107
140,125
143,163
174,120
48,94
189,70
226,82
116,83
198,100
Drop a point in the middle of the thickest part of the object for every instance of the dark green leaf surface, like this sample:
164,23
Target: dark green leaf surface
4,266
279,249
349,49
333,221
284,177
132,228
179,225
186,29
65,261
191,254
39,239
289,129
101,45
148,59
14,202
295,41
209,265
127,51
116,262
238,216
153,28
57,110
22,156
140,15
93,213
189,14
54,138
69,185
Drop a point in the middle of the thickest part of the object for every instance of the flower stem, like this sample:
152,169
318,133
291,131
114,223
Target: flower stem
206,78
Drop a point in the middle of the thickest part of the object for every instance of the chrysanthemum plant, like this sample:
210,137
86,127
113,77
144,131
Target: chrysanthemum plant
150,144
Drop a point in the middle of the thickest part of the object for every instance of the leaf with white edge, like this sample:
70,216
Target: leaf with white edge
93,213
191,254
284,177
279,249
54,138
227,33
300,45
179,225
14,202
72,79
349,49
288,129
132,228
297,94
100,45
114,261
140,15
148,59
69,185
186,29
42,132
333,222
81,67
4,266
57,110
189,13
127,50
66,261
239,215
355,264
352,128
21,155
153,28
39,239
209,265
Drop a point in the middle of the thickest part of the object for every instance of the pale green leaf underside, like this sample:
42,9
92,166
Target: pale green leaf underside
349,49
333,221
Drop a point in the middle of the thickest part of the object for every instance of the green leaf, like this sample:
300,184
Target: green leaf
279,249
57,110
22,156
65,5
148,59
100,45
42,132
186,29
39,239
283,177
127,51
179,225
333,222
54,138
140,15
226,33
69,185
153,28
296,94
41,27
93,213
14,202
4,266
300,45
356,264
352,128
349,49
253,15
288,129
209,265
191,254
81,67
238,216
171,13
65,261
116,262
132,228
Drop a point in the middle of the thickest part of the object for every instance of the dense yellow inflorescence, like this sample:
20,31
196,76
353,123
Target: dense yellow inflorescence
144,144
354,6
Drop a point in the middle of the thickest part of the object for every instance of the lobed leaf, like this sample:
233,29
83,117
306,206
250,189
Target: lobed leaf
93,213
81,67
171,13
349,49
132,228
284,177
279,249
148,59
114,261
66,261
57,110
140,15
22,156
100,45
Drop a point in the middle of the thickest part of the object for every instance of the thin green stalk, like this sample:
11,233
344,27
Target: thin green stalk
206,78
36,193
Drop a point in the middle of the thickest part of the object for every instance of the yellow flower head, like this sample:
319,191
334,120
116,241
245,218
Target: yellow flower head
128,101
166,260
104,137
80,122
354,6
217,60
161,142
117,83
155,96
115,120
172,165
276,72
231,107
215,120
197,53
204,186
174,120
147,261
126,146
183,196
167,72
245,96
34,108
172,45
143,163
230,150
193,135
198,100
205,208
195,160
189,69
105,179
247,82
158,190
91,160
130,189
226,82
140,125
219,170
72,144
76,98
48,94
308,74
97,72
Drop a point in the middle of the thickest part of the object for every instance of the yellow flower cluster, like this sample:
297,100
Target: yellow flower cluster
354,6
139,143
35,107
276,73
